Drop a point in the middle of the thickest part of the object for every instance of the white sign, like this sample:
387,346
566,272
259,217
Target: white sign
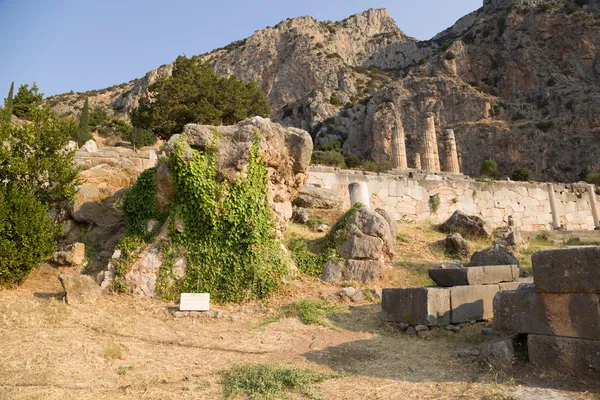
194,302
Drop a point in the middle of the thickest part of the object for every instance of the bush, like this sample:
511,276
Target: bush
545,126
450,56
195,94
593,179
369,165
336,101
489,168
544,7
26,234
139,137
352,161
521,174
331,158
307,262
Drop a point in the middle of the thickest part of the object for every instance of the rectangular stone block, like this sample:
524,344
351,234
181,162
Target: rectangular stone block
472,303
465,276
567,270
509,285
194,302
417,306
528,311
579,357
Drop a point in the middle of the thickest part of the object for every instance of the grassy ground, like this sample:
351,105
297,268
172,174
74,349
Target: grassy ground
315,345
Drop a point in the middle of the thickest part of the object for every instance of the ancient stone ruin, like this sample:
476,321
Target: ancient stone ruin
462,294
560,314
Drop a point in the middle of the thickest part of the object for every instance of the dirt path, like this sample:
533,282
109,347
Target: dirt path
127,348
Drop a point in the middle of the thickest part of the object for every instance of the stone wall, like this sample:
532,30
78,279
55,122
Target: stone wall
126,158
408,194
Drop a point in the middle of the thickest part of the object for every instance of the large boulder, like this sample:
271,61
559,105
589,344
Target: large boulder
469,226
367,250
286,151
316,197
495,255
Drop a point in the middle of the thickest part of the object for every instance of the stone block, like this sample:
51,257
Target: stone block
417,306
472,303
567,270
466,276
528,311
194,302
578,357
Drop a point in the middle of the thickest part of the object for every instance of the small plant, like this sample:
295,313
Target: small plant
123,369
268,381
489,169
314,223
309,312
335,100
455,200
423,61
521,174
307,262
434,203
450,56
114,351
543,7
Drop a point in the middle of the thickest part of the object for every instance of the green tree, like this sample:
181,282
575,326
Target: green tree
8,104
139,137
195,94
32,157
521,174
489,168
26,100
82,134
99,120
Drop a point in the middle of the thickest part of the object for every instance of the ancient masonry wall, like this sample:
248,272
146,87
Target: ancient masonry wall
139,161
407,195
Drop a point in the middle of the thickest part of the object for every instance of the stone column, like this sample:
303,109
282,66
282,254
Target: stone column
592,193
431,159
418,161
451,155
399,147
359,193
555,219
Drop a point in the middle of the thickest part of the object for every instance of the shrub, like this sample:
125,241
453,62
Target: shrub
307,262
27,100
352,161
369,165
32,157
139,137
545,126
434,202
489,168
521,174
331,158
195,94
543,7
450,56
336,101
593,178
26,234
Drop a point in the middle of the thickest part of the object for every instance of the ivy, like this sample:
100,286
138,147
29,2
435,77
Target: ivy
226,228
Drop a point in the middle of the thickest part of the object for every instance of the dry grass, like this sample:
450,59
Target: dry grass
129,348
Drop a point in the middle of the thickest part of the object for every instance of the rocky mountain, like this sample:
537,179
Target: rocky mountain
518,81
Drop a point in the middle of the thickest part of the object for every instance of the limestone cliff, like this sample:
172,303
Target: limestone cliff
518,81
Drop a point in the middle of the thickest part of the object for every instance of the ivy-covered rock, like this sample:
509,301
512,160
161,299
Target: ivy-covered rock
217,207
364,246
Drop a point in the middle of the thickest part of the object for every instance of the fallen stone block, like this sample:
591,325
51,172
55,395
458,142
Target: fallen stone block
417,306
81,289
499,354
472,303
579,357
528,311
465,276
567,270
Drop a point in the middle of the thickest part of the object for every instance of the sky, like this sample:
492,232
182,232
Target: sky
81,45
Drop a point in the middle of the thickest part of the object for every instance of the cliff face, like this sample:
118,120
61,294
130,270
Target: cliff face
517,83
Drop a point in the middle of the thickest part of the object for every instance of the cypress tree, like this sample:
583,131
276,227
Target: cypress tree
82,133
8,104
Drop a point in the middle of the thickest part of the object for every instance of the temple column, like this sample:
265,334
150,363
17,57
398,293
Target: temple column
429,151
451,154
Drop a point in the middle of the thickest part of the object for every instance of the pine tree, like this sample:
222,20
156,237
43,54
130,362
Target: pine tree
26,100
8,104
82,133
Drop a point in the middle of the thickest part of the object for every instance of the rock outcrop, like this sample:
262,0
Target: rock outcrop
367,250
469,226
516,83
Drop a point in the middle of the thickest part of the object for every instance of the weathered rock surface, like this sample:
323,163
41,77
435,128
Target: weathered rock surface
456,244
314,197
81,289
469,226
286,151
462,276
73,255
418,306
567,270
495,255
367,250
577,357
472,303
499,354
528,311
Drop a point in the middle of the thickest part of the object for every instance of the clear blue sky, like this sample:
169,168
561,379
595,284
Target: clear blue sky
91,44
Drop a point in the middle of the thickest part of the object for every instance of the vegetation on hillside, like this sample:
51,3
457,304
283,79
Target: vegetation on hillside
196,94
36,175
27,100
82,134
8,105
